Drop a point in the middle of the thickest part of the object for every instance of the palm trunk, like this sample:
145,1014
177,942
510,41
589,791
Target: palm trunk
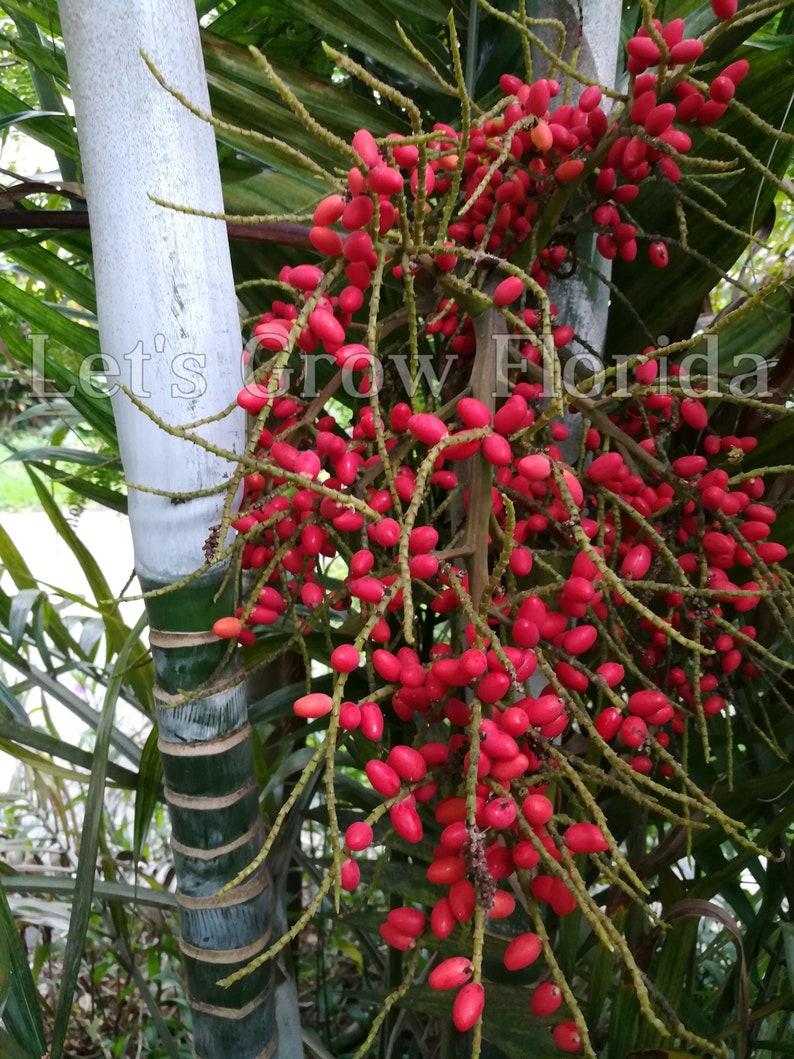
169,331
593,39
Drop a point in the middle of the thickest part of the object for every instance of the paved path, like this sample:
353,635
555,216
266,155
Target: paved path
107,536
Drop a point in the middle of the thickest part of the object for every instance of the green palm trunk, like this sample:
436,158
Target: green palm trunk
169,332
204,740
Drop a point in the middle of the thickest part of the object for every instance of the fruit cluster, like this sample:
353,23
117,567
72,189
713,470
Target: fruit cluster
594,600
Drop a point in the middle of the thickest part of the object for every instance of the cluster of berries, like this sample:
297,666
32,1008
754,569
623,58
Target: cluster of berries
647,561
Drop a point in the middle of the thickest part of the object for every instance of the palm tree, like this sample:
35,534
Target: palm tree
173,336
169,331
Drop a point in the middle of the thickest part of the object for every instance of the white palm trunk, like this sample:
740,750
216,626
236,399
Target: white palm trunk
583,299
169,332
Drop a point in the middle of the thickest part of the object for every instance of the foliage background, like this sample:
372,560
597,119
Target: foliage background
129,1000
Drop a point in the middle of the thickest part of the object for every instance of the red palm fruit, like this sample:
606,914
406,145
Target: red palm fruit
760,513
658,255
227,628
578,589
371,721
462,898
574,487
686,51
325,241
555,728
446,262
771,551
363,143
349,875
368,589
689,107
737,71
754,530
358,836
422,539
508,290
451,973
386,664
500,813
406,820
442,921
541,136
611,673
473,663
408,920
345,658
724,8
641,763
627,251
326,326
450,809
537,809
407,763
722,89
384,180
694,413
608,723
542,710
473,413
329,210
579,639
659,118
511,416
566,1037
590,98
493,687
350,299
636,562
496,743
305,277
311,706
349,716
535,468
545,999
383,778
525,633
405,155
585,838
522,951
311,595
604,467
569,170
514,721
562,900
606,246
538,98
496,450
582,566
510,84
643,50
361,562
456,835
504,904
397,939
386,533
468,1006
357,249
446,870
428,429
541,887
525,856
633,731
646,701
505,771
